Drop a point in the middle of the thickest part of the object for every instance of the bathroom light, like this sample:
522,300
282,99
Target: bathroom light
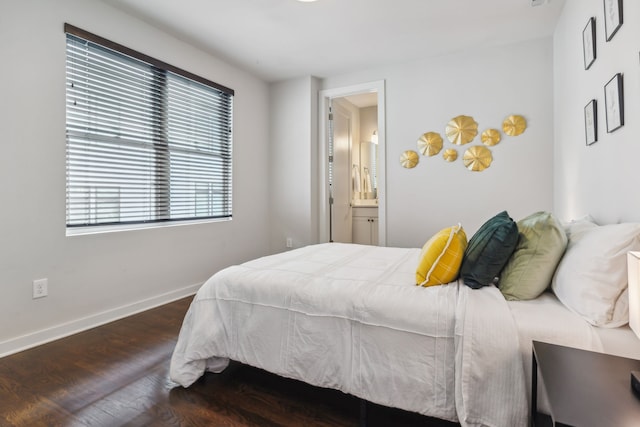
374,137
306,1
633,268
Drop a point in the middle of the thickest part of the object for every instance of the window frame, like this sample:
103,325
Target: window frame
164,218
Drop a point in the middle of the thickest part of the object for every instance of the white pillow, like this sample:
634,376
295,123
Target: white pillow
591,278
576,228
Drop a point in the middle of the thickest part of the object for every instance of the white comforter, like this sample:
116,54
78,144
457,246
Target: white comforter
350,317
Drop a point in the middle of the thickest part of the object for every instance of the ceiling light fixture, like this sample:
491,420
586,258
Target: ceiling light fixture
374,137
306,1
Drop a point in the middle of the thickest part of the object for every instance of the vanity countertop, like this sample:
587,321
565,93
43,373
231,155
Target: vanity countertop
364,203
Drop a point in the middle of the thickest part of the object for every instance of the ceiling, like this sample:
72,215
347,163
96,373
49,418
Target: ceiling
282,39
362,100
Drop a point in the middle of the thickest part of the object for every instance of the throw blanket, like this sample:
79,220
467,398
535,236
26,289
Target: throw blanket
490,376
350,317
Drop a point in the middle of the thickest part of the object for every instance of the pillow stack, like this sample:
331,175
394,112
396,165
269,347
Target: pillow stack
584,263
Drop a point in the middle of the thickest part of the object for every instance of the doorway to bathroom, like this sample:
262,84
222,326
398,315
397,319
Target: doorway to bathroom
352,164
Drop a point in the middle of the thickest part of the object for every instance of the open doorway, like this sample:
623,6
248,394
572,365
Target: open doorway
352,164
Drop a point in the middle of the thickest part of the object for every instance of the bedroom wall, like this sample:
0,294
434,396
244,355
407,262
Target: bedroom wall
293,163
488,84
599,179
96,278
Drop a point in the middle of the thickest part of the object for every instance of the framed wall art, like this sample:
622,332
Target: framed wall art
612,17
591,122
589,43
614,103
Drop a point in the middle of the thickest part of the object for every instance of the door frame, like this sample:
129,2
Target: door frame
324,100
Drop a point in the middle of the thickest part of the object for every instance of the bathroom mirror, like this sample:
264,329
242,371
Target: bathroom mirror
364,174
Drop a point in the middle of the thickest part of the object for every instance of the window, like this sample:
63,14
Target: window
146,142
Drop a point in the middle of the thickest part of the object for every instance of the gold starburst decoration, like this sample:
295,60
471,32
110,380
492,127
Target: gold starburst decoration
514,125
450,155
461,130
430,144
477,158
490,137
409,159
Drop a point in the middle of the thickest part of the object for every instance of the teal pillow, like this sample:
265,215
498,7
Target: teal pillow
489,250
529,271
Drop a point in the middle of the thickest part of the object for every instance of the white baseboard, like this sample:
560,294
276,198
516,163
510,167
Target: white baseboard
24,342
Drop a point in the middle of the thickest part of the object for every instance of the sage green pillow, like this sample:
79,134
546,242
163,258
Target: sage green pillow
529,271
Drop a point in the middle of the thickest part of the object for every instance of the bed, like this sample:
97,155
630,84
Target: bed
350,317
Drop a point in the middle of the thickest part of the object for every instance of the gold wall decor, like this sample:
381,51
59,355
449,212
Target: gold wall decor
514,125
450,155
477,158
461,130
409,159
430,144
490,137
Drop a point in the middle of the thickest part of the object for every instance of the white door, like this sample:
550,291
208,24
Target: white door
341,175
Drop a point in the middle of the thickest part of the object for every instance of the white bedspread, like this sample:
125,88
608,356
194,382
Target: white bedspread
350,317
547,319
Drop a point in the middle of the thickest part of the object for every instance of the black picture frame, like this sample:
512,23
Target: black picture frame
589,43
614,103
591,122
612,17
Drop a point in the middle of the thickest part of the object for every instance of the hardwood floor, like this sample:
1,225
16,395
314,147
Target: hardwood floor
117,375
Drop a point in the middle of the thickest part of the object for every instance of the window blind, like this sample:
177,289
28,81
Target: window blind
144,143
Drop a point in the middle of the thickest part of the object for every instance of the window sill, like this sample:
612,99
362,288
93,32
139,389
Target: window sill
81,231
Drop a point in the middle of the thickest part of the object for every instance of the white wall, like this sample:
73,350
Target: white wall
368,122
488,84
293,162
95,278
600,179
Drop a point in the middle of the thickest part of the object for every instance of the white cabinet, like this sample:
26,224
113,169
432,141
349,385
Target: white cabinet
365,225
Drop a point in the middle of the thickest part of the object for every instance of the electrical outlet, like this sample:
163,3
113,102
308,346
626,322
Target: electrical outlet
289,242
40,288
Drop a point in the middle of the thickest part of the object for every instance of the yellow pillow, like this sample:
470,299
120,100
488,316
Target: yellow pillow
441,257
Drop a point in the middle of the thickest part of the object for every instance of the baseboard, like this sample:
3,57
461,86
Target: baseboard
24,342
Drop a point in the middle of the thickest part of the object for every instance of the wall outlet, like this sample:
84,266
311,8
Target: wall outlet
40,288
289,242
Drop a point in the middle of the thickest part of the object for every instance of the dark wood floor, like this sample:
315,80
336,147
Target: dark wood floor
117,375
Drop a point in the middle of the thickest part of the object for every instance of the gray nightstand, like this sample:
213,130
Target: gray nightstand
584,388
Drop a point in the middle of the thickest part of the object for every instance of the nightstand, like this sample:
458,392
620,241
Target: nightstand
584,388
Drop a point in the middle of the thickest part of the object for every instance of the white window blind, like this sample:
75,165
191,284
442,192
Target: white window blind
144,143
